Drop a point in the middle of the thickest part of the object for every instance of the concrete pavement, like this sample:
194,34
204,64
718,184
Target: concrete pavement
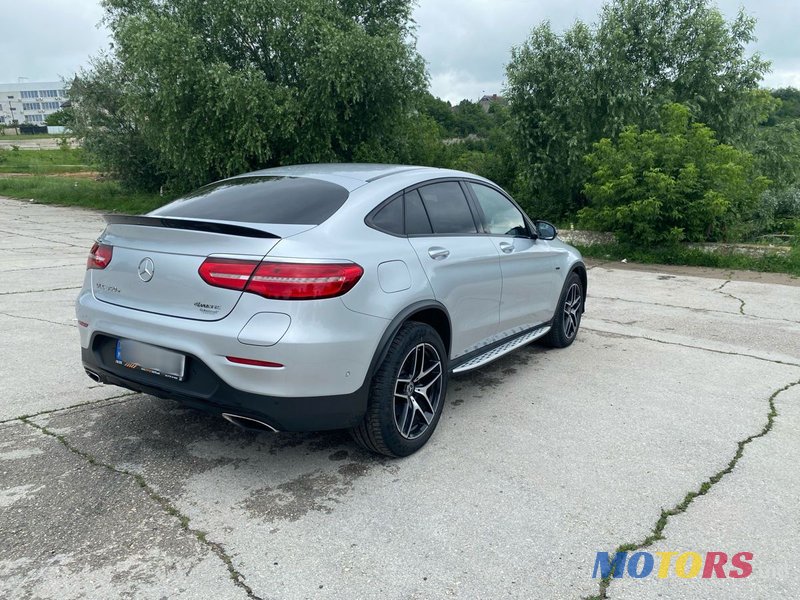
541,459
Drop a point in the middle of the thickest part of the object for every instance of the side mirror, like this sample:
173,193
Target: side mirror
545,230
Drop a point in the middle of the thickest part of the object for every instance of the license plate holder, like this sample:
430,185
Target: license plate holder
139,356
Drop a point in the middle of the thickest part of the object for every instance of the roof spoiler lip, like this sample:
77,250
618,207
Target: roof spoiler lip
190,224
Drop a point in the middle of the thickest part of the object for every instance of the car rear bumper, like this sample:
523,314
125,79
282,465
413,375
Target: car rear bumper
204,390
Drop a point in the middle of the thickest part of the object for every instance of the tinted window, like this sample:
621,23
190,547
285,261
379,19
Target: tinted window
502,217
447,208
416,218
289,200
390,217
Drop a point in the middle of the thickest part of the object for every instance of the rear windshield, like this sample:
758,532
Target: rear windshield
289,200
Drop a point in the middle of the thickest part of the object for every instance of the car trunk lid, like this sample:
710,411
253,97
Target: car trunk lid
155,262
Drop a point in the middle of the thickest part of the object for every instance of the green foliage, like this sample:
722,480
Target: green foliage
59,118
669,185
777,151
569,90
105,122
203,89
789,106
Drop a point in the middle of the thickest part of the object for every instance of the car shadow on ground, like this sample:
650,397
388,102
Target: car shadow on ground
272,476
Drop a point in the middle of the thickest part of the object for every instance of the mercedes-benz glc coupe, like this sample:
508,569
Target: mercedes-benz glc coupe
325,296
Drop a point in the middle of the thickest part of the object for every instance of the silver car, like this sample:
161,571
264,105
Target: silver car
325,296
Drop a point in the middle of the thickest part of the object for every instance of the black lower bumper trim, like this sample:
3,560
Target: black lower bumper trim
204,390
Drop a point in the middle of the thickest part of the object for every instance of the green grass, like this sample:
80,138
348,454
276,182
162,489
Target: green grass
101,195
42,162
773,263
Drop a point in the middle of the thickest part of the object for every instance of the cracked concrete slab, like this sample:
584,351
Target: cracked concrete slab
71,529
541,459
753,509
508,476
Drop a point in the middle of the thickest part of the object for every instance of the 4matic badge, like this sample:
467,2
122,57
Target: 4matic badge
207,308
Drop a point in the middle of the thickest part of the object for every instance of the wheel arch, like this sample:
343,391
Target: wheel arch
430,312
580,268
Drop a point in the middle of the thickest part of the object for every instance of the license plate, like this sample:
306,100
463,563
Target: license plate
150,359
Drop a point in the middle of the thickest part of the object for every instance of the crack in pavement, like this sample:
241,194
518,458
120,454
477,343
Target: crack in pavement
41,239
70,407
40,291
668,343
168,507
698,309
40,268
658,529
36,319
741,302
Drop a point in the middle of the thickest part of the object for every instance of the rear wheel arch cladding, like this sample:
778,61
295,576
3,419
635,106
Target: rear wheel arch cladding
415,310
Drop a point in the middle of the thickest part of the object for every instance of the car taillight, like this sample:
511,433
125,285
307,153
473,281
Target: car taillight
99,256
227,272
280,280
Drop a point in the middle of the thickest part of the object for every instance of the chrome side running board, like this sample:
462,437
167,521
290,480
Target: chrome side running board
501,350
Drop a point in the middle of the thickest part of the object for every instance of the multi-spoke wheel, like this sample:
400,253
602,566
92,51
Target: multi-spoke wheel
567,319
418,391
407,393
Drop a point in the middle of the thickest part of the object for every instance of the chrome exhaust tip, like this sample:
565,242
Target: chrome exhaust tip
248,422
93,376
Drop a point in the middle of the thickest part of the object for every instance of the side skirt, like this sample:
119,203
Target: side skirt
483,356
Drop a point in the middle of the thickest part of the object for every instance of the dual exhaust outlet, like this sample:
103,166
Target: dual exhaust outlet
238,420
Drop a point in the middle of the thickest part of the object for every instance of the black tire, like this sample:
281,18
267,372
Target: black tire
569,310
386,428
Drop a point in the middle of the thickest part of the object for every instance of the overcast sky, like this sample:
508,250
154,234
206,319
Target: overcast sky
466,42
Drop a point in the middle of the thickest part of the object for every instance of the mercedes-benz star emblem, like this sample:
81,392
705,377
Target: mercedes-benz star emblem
146,269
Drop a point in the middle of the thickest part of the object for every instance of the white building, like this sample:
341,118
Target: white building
30,102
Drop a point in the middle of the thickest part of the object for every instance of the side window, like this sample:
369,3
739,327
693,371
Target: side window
417,221
390,217
447,208
502,217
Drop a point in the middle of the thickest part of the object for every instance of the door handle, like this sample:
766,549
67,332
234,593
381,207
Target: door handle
438,253
507,247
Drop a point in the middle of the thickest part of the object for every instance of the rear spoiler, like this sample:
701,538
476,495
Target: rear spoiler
210,226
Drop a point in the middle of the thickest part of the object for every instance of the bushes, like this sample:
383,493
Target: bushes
677,183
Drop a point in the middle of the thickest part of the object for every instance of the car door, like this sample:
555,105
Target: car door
529,266
463,266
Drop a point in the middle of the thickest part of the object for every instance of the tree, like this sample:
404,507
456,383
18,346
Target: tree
569,90
789,106
215,87
672,184
58,118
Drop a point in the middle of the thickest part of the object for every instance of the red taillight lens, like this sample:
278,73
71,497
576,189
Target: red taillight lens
281,281
227,272
99,256
303,281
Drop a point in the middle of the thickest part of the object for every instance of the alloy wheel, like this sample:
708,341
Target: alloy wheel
417,391
572,311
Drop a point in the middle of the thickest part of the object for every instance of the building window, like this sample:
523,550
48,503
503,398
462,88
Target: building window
34,118
48,93
51,105
62,93
2,119
31,106
33,94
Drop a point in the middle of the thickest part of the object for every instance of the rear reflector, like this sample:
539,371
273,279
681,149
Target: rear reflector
280,280
253,362
99,256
